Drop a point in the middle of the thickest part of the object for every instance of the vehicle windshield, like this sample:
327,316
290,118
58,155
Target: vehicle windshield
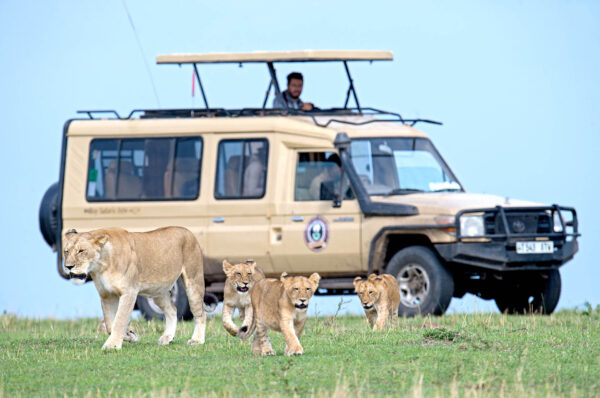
398,166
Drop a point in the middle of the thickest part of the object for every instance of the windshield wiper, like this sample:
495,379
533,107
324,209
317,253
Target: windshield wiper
448,190
401,191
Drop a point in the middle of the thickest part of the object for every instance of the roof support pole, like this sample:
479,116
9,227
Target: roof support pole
267,94
350,88
117,167
347,98
200,85
274,78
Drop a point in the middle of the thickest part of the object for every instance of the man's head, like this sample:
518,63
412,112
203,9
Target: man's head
295,83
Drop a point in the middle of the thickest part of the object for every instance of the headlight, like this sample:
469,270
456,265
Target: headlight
556,220
471,226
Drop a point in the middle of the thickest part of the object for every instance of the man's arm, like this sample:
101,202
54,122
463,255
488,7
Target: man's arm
307,106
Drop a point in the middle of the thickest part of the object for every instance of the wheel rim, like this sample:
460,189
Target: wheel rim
173,293
413,283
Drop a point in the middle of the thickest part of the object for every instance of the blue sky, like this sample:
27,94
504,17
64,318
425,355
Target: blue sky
516,84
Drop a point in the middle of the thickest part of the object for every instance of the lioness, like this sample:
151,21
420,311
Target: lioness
124,264
240,280
380,298
281,305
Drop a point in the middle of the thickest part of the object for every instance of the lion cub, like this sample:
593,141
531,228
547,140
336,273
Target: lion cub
281,305
240,280
380,298
124,264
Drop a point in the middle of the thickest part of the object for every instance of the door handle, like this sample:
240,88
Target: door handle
219,219
297,218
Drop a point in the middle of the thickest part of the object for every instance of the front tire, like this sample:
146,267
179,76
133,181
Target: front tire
178,297
426,286
536,294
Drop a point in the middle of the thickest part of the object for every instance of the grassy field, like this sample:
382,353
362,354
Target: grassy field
476,355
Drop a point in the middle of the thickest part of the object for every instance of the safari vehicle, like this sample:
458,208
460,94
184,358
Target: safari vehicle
266,184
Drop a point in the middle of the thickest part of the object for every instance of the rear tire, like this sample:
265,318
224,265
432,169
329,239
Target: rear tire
426,286
178,297
537,294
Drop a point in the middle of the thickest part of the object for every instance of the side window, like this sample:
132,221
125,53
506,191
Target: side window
318,175
241,169
144,169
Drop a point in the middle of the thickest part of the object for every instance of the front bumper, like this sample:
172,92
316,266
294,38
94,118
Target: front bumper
496,249
502,256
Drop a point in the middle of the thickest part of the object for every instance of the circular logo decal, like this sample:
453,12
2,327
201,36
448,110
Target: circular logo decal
316,234
518,226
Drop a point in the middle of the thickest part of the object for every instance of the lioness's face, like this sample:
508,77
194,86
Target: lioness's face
240,275
367,292
81,253
300,288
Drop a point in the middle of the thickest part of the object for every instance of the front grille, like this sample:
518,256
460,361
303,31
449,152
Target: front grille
518,223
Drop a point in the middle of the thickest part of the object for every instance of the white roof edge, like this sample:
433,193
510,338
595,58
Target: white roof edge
277,56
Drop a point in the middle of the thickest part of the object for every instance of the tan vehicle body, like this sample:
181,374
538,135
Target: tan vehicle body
261,228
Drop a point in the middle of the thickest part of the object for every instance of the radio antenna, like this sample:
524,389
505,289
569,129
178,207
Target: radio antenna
139,43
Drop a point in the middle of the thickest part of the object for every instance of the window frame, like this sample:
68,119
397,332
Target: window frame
119,148
243,141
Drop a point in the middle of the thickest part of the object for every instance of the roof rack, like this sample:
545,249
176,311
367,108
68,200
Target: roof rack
91,113
377,114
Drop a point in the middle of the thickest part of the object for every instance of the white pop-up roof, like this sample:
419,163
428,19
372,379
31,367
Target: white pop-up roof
277,56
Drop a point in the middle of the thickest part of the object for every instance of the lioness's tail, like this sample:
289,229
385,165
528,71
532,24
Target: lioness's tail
211,302
245,332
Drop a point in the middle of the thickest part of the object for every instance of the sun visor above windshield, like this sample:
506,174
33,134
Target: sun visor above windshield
277,56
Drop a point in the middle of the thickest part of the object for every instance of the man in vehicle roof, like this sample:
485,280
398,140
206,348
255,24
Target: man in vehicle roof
290,98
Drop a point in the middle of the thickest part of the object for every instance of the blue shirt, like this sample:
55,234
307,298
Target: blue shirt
285,101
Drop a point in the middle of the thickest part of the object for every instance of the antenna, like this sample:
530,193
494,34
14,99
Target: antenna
142,52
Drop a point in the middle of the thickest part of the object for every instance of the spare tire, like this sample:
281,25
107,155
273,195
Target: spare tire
49,216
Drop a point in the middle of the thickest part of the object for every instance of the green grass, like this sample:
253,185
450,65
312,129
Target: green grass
476,355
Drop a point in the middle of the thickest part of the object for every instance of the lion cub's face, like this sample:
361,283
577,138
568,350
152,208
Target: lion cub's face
81,253
240,275
368,291
300,289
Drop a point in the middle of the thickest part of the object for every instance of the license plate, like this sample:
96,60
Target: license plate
535,247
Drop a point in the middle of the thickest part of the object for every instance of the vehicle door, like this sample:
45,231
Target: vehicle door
311,235
238,226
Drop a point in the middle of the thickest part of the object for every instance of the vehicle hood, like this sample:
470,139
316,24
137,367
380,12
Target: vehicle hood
449,203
